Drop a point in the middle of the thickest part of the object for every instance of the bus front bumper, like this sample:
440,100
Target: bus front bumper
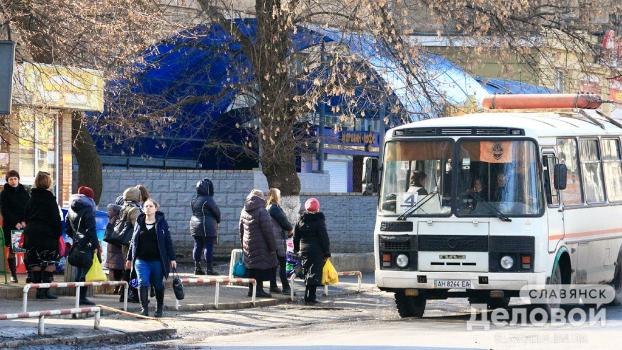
389,279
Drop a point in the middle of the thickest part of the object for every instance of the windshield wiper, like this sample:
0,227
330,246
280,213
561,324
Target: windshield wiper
417,206
499,213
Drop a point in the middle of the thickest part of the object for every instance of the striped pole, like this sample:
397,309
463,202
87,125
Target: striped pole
75,285
358,274
218,281
42,314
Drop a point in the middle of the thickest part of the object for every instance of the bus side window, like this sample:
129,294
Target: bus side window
548,164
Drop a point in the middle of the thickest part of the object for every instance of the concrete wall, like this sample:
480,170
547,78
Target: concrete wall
350,217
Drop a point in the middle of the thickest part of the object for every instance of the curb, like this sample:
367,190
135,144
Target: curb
248,304
113,338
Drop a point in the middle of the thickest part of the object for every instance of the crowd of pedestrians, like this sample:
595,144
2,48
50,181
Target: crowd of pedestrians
139,245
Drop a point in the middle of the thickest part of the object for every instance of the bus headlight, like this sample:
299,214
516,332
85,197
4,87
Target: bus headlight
506,262
401,261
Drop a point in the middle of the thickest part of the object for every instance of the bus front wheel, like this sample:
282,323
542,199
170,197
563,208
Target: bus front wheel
408,306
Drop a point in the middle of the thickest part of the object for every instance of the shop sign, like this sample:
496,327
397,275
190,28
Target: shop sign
62,87
361,137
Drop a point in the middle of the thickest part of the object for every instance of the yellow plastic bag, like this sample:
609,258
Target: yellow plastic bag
96,273
329,274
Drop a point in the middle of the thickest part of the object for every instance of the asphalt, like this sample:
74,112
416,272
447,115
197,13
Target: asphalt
117,328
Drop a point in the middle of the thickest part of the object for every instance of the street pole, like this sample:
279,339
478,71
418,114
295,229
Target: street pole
320,133
7,59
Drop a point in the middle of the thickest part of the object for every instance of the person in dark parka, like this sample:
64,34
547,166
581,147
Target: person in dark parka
80,225
311,240
257,239
43,229
115,261
204,226
13,201
282,229
152,254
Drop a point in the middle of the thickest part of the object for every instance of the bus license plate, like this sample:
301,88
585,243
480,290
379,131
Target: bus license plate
459,284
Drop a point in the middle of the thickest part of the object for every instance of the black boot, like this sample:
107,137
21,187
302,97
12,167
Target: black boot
197,269
83,298
310,297
13,268
48,277
35,277
132,295
143,295
159,302
210,270
260,292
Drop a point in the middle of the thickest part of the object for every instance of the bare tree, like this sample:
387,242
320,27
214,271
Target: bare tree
103,35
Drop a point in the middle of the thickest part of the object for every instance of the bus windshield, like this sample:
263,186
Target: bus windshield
417,174
498,177
489,178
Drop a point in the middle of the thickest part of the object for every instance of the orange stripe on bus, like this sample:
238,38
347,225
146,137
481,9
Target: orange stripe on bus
585,234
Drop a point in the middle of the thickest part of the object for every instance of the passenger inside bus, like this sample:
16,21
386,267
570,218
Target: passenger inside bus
417,181
501,188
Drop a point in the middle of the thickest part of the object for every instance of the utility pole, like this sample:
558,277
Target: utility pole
320,127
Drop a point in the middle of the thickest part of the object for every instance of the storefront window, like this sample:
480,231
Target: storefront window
4,158
36,144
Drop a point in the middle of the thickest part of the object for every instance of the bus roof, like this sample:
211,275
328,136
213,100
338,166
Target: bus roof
535,124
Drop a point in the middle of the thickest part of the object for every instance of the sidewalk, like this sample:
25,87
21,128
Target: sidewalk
121,329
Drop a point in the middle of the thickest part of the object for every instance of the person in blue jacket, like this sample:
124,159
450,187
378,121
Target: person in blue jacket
152,254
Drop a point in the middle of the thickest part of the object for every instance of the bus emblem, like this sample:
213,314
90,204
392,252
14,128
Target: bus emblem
497,151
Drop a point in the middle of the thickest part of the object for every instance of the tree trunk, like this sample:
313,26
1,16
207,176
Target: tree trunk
276,117
83,148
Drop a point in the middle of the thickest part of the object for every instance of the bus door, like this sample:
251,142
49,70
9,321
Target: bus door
555,209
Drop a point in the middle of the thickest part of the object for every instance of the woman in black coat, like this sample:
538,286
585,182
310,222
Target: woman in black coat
81,227
204,226
43,228
257,239
282,229
13,201
311,240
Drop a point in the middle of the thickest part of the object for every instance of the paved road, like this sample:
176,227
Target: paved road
370,321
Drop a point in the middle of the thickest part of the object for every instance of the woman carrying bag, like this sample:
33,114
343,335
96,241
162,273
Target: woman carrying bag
43,229
152,255
13,200
282,230
311,239
80,224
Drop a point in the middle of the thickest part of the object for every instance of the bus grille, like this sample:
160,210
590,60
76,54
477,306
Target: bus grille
443,243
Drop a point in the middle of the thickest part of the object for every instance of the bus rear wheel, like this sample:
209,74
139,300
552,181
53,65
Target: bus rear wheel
409,306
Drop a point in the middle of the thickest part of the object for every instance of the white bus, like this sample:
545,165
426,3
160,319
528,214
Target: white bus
481,205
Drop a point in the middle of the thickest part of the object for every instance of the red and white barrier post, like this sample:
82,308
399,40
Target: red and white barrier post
42,314
218,281
358,274
75,285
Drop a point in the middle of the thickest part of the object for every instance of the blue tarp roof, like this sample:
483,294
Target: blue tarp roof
502,86
200,71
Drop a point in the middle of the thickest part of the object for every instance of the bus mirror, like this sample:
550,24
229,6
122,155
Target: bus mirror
370,175
560,176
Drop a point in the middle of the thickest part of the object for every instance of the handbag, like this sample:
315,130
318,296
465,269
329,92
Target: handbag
81,254
61,246
96,273
239,270
329,274
17,241
178,288
121,234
